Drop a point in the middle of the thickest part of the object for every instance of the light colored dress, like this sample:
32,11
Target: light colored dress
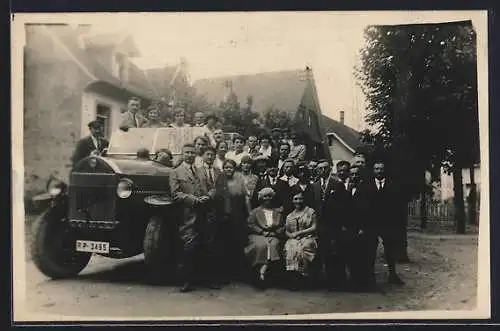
299,253
261,249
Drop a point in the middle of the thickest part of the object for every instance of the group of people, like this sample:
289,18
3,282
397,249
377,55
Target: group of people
260,209
263,210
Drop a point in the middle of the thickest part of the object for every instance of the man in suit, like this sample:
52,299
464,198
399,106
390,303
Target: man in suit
384,222
210,233
362,280
282,198
132,118
92,144
336,231
284,152
187,190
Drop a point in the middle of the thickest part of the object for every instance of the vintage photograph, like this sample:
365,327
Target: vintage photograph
250,165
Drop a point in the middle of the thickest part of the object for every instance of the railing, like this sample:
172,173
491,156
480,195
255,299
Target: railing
437,211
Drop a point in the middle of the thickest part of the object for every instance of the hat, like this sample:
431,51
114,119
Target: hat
266,191
94,123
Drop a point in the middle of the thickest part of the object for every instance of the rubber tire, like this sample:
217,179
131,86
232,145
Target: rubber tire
43,227
158,257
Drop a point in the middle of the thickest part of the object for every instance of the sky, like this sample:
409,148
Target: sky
220,44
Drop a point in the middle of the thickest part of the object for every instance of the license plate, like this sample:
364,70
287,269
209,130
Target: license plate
92,246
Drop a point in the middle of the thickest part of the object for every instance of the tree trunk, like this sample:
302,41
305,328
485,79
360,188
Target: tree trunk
423,210
458,199
472,198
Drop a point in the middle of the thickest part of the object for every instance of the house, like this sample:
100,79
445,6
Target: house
72,76
283,90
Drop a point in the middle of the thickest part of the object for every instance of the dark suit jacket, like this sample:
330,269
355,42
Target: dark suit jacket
282,197
358,209
84,147
333,207
382,205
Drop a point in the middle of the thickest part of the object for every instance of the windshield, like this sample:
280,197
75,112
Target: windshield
153,139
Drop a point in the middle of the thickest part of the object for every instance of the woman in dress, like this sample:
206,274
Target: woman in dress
249,178
301,246
221,149
266,232
232,211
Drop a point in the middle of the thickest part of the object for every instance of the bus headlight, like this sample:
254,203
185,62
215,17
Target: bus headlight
124,188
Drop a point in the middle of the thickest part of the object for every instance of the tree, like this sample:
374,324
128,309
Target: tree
416,79
276,118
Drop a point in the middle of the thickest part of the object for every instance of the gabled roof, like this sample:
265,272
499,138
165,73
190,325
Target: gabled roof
67,39
120,40
346,135
281,89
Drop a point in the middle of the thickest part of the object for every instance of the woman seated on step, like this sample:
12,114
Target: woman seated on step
265,239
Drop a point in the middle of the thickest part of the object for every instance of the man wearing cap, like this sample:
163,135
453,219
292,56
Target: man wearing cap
132,118
94,143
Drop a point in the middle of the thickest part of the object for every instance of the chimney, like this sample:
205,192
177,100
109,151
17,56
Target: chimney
342,116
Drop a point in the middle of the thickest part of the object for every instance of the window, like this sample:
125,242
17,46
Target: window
103,113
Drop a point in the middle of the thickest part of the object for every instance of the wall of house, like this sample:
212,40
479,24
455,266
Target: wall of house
447,182
339,152
52,109
90,100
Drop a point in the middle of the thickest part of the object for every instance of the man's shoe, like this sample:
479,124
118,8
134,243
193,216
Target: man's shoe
186,288
395,280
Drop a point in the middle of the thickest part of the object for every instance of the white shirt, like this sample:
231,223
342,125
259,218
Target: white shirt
346,184
280,164
353,191
218,163
96,143
380,183
236,157
268,214
272,180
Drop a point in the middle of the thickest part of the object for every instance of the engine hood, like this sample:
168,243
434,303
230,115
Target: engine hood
136,167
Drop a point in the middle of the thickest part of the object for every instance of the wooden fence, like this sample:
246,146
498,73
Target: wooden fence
437,211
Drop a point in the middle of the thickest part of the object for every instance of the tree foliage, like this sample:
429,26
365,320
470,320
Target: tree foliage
420,84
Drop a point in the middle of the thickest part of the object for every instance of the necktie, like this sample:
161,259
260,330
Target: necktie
192,171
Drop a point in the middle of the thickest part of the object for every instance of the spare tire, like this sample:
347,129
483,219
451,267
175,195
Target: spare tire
52,248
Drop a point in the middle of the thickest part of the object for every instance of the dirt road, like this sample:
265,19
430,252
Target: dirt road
441,276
